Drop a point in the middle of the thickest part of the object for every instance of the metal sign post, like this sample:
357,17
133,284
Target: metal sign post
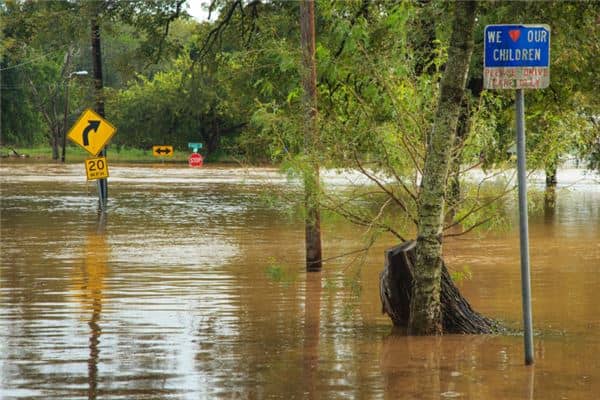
524,227
518,57
103,188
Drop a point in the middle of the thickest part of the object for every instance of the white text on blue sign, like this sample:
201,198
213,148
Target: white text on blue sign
516,56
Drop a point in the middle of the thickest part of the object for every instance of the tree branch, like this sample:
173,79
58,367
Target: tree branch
398,178
468,230
217,30
475,209
358,219
387,191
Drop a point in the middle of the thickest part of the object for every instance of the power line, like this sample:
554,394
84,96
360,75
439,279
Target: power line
32,60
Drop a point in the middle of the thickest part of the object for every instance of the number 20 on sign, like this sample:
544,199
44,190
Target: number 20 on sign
96,168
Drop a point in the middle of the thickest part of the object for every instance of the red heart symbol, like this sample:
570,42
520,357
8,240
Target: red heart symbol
514,34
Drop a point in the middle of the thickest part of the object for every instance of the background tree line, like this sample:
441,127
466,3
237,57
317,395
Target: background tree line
233,82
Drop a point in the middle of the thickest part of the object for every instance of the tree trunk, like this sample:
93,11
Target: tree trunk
97,66
54,142
550,204
425,307
462,131
67,81
551,175
395,289
311,175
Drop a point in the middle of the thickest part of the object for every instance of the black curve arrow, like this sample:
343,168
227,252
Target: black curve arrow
93,126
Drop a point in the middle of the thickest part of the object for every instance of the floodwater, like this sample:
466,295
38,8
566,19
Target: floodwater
192,287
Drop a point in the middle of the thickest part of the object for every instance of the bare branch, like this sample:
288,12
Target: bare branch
409,147
358,196
398,178
163,37
468,230
360,220
470,168
40,104
379,214
364,249
475,208
217,30
387,191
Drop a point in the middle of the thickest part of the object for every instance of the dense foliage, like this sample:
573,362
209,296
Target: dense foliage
233,82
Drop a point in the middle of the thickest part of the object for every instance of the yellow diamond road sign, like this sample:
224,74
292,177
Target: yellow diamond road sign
91,132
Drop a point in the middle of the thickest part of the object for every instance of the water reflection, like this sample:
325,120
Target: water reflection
454,367
549,205
312,323
89,288
531,381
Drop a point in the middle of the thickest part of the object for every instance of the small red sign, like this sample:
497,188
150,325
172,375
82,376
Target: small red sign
195,160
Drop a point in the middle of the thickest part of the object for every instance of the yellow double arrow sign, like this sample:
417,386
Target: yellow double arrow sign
162,151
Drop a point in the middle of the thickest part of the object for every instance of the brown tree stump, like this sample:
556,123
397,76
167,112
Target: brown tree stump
395,288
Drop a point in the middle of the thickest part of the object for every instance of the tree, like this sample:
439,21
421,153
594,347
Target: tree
425,308
39,63
39,34
311,136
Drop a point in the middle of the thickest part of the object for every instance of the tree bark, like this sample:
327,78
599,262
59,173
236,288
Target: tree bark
311,175
395,287
99,93
54,142
454,196
550,171
97,66
425,306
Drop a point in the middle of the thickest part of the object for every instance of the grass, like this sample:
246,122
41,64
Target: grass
75,154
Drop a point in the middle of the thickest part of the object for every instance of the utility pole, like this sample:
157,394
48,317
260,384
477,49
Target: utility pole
311,175
99,94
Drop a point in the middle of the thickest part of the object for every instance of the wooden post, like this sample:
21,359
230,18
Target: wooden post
99,94
311,175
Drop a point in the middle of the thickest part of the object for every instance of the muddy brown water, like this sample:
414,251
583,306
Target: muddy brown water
193,288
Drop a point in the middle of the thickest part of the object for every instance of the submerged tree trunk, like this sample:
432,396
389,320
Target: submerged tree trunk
425,307
551,175
395,288
454,197
311,175
54,142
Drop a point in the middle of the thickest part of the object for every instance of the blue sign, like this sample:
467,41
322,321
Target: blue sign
516,46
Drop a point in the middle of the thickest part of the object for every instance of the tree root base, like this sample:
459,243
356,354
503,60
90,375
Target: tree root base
395,289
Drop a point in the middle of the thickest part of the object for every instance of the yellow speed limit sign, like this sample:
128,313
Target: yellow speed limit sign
96,168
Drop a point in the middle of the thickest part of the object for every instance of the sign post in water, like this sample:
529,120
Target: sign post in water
92,133
518,57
